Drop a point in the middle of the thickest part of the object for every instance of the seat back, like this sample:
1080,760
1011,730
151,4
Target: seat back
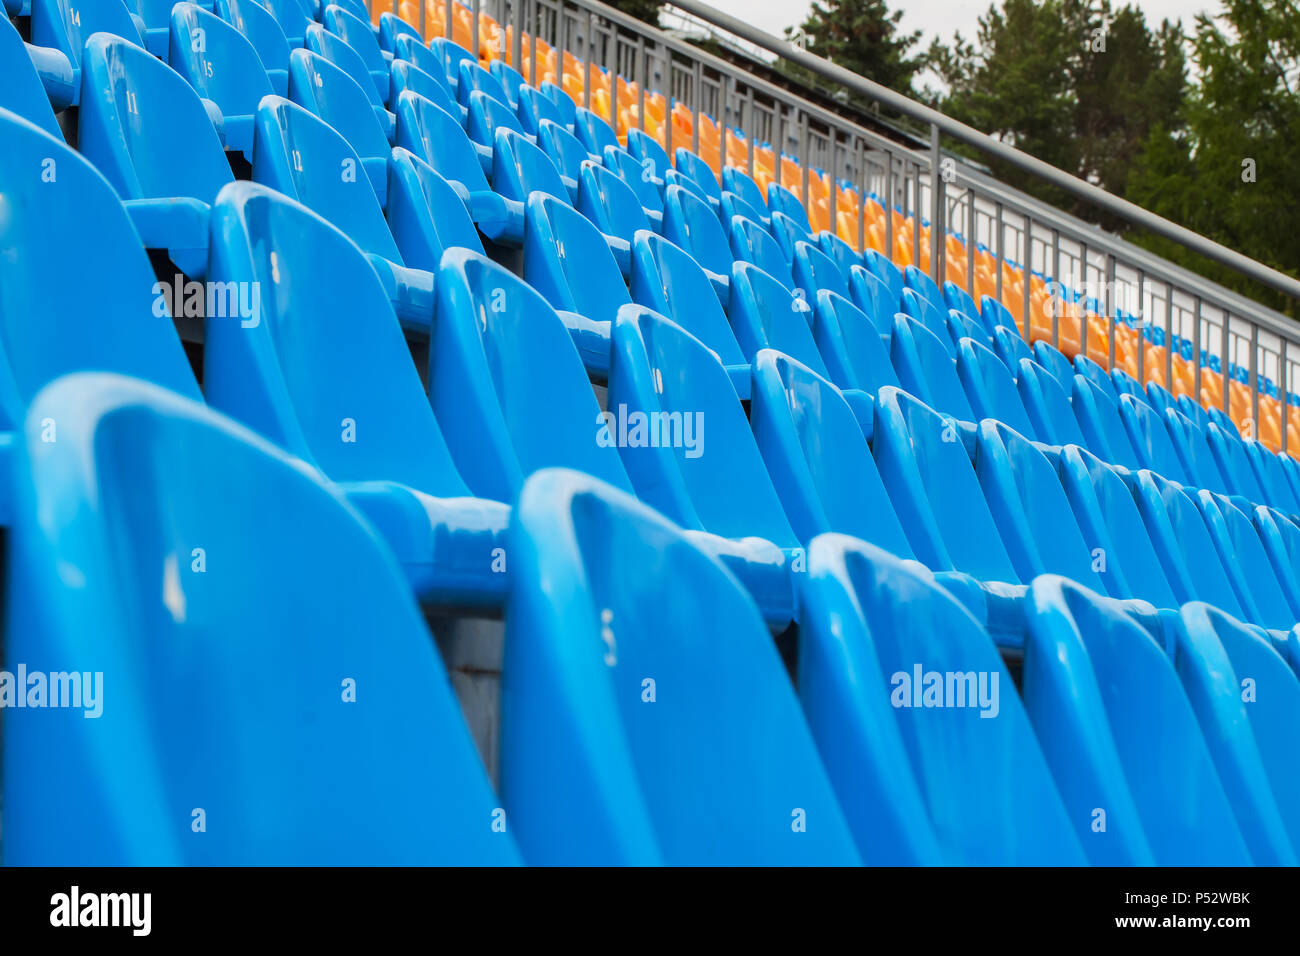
936,494
144,127
713,773
1095,683
691,224
610,203
21,90
45,328
668,280
875,630
303,157
257,559
664,379
926,369
425,214
765,314
990,389
751,243
819,461
568,261
850,345
507,383
325,372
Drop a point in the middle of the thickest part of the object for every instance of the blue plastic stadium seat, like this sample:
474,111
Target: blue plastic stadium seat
568,109
325,44
955,297
813,270
431,133
593,132
962,326
1048,406
698,171
690,224
719,770
1095,683
507,383
432,86
357,33
920,784
472,78
817,458
926,313
782,200
1097,375
1178,531
1102,424
148,132
732,205
486,115
1032,511
302,157
1252,743
926,369
1113,528
873,297
611,204
990,389
425,214
668,280
1230,455
1011,348
751,243
996,315
60,26
934,489
223,67
659,370
888,274
766,315
921,283
21,89
648,189
328,357
510,79
850,345
569,262
410,49
565,152
742,184
1263,598
1052,359
260,28
123,334
292,17
1194,453
1150,439
1271,473
180,489
844,255
392,28
648,153
535,106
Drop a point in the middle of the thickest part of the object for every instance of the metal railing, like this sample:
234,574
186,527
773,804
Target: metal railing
1148,292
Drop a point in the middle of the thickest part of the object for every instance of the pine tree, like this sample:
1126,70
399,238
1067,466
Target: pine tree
862,36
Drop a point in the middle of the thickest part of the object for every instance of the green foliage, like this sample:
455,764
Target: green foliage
862,36
645,10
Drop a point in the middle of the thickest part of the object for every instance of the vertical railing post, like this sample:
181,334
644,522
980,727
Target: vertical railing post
1284,388
936,208
1256,431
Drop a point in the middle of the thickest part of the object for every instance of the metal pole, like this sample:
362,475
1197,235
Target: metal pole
936,208
1026,272
1226,350
1284,387
1053,297
1254,377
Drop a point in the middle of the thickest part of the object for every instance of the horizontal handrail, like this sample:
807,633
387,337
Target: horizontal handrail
1128,211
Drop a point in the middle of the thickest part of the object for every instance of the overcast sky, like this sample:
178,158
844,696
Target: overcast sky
934,17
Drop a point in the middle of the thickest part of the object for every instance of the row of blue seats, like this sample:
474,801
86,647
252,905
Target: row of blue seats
919,354
644,704
508,391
